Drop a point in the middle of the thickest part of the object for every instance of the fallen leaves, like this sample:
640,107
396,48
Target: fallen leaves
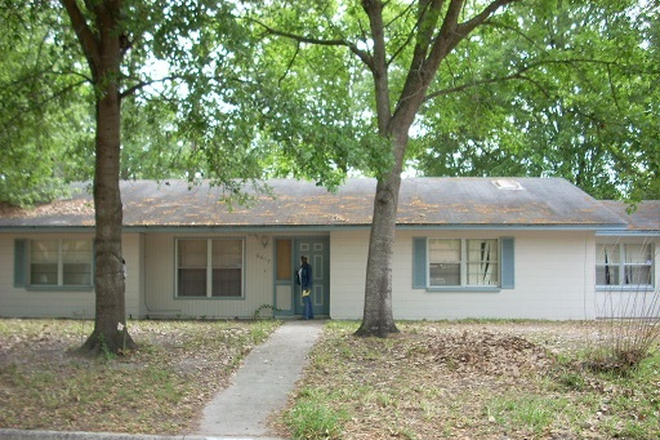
159,389
476,381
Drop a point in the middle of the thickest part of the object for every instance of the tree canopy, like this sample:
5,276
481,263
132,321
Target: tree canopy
572,93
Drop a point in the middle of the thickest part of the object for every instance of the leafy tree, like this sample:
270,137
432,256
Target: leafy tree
573,99
502,85
172,73
399,48
39,125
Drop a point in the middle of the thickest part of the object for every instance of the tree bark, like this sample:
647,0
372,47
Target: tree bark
103,51
377,317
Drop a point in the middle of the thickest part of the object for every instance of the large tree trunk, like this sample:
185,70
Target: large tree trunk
101,43
110,333
378,318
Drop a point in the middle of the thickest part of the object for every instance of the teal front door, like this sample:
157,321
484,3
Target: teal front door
317,251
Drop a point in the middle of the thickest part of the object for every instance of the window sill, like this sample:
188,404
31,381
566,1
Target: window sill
209,297
629,289
59,288
465,289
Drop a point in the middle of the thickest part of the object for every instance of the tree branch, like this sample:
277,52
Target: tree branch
363,55
465,28
288,67
142,84
516,75
87,39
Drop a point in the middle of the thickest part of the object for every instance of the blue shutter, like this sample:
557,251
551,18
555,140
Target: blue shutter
20,263
508,264
419,263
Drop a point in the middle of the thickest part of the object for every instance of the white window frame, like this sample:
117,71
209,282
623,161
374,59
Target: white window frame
61,263
464,264
622,266
209,268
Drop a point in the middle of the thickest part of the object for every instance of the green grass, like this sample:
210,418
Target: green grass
312,419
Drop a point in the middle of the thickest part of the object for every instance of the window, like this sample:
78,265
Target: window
463,263
60,262
284,260
210,268
624,265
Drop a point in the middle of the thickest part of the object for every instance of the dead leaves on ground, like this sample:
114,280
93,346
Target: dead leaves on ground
159,389
448,380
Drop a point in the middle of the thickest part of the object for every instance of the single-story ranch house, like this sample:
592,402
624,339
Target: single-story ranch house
465,248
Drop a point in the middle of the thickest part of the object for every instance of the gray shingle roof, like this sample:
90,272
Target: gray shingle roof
422,201
645,216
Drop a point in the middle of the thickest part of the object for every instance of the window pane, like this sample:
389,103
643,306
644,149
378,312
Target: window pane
445,274
445,251
191,271
444,262
607,275
227,268
77,262
192,282
192,253
637,253
284,269
483,263
44,256
607,254
227,282
638,275
227,253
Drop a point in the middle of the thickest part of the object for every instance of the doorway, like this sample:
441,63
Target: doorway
288,253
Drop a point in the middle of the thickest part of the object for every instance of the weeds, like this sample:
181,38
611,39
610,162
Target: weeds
633,316
312,419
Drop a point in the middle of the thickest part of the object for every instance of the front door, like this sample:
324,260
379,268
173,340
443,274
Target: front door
318,256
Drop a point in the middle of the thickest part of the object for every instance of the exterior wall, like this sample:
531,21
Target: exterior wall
160,299
22,302
553,278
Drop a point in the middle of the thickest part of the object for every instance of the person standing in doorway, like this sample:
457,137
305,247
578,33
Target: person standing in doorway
304,278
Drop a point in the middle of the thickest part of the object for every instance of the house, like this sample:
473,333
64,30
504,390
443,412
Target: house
465,248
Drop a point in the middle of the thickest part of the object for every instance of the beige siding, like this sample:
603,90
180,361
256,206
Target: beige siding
19,302
160,291
348,267
132,251
554,279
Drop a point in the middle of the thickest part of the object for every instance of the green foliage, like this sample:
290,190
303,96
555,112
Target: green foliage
40,125
527,412
551,89
311,419
257,313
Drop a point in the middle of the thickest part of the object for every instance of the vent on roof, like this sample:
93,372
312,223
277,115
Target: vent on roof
508,185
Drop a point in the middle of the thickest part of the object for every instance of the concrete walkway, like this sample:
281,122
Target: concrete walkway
263,384
258,389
